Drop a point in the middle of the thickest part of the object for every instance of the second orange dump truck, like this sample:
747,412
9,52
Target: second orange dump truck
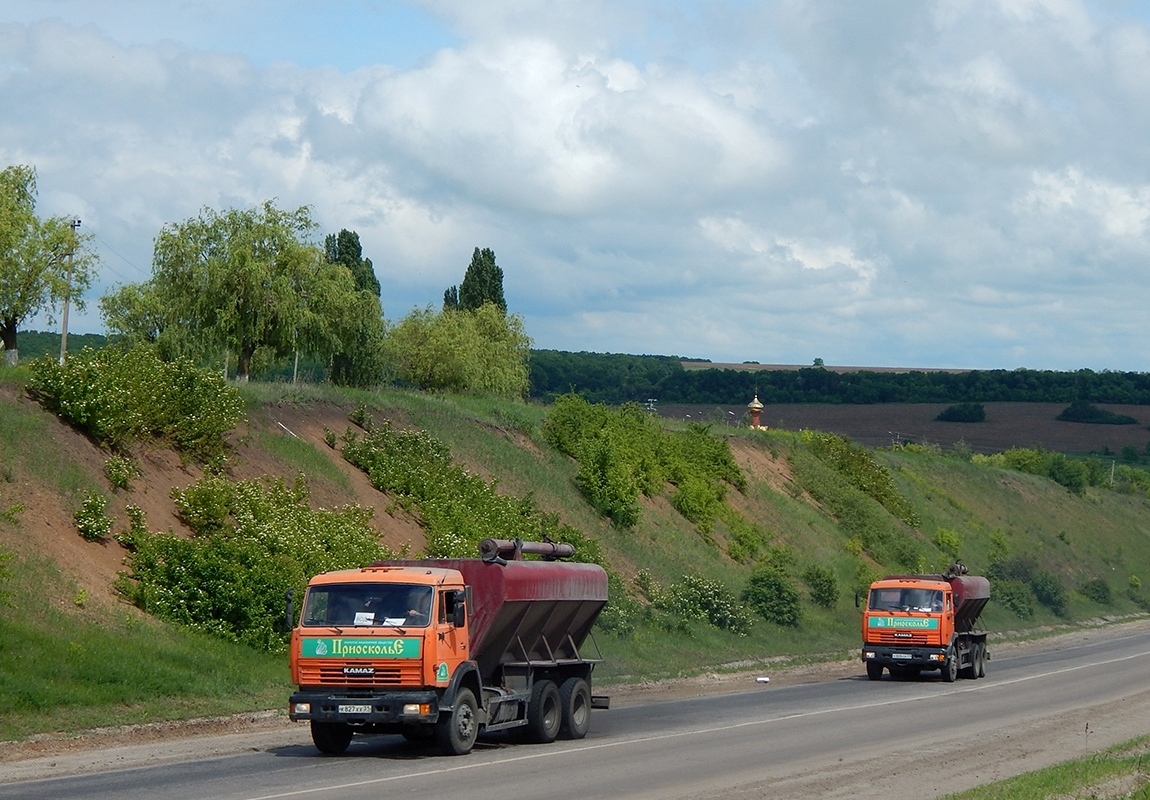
447,649
916,623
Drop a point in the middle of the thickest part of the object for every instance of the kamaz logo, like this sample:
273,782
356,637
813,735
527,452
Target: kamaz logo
359,670
901,635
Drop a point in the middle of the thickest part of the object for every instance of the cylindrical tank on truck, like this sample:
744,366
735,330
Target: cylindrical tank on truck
916,623
447,649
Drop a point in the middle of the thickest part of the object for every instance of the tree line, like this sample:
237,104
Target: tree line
615,378
253,289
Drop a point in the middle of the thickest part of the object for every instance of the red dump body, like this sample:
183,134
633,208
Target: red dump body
527,611
971,594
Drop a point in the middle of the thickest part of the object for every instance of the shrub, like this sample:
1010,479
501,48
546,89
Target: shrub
93,524
772,593
1081,411
699,598
1097,590
624,452
1049,591
948,541
823,584
963,412
119,470
858,466
1015,596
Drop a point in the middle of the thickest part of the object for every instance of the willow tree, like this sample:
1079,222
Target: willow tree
250,283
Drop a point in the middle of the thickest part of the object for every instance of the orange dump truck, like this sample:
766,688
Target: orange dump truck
447,649
913,623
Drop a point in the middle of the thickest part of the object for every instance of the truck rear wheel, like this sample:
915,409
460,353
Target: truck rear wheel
980,661
456,732
331,738
575,701
545,714
873,670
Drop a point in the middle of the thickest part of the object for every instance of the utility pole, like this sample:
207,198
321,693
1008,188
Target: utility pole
68,293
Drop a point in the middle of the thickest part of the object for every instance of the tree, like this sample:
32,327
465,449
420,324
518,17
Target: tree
249,283
484,352
42,262
344,248
482,283
359,360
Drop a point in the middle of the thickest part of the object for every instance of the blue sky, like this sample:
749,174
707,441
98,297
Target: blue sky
926,183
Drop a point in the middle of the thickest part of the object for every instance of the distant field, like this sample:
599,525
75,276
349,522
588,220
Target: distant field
697,365
1007,425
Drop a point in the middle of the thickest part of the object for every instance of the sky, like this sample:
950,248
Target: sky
887,183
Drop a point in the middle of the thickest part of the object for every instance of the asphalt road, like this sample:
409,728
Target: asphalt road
845,738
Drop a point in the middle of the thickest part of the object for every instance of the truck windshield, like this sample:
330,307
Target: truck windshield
364,604
904,599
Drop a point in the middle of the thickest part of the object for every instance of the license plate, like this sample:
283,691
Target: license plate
355,709
900,655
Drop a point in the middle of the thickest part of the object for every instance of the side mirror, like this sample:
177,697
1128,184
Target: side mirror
289,610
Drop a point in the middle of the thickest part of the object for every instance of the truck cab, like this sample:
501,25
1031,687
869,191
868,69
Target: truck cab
374,649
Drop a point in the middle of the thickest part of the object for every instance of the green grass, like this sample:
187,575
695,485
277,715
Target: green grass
301,456
74,665
1125,765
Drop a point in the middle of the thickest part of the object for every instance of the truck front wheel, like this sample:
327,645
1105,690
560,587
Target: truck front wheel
950,668
545,713
575,700
331,738
873,670
456,732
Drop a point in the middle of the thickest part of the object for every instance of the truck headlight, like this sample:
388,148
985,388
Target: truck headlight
416,709
301,708
868,654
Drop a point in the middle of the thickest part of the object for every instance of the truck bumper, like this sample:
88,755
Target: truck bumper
916,657
375,709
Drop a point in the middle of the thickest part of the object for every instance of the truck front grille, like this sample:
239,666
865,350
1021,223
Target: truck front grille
896,637
330,672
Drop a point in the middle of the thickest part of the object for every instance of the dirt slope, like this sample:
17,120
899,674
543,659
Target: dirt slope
46,526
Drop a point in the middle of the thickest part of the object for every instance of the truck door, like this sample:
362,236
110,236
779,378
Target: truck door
450,642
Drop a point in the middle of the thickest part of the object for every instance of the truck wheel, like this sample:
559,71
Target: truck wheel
456,732
331,738
545,714
950,669
980,661
874,670
575,702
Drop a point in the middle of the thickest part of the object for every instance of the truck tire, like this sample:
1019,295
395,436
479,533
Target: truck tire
980,661
545,713
950,668
575,702
331,738
456,731
874,670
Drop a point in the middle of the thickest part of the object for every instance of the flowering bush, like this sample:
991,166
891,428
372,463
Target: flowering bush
120,396
253,542
93,524
119,470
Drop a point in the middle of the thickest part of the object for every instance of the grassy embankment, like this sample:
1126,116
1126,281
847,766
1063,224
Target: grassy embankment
68,663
